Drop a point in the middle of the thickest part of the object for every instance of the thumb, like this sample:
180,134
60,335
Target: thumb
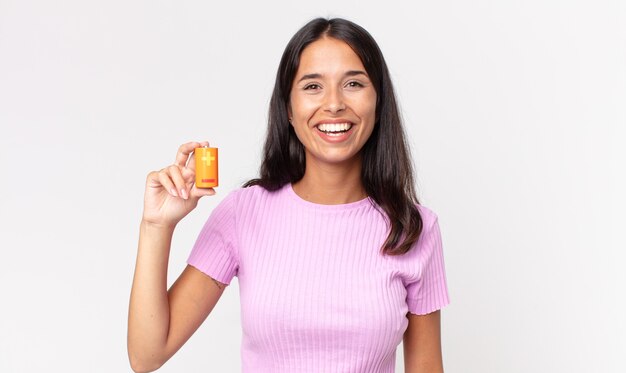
201,192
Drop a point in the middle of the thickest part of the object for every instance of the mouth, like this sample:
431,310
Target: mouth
334,129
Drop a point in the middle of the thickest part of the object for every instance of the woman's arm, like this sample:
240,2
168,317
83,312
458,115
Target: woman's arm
160,322
422,344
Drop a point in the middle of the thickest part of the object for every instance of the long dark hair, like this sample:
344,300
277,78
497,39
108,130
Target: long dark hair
387,172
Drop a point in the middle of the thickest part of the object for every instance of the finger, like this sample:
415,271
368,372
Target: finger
152,180
201,192
189,175
191,163
167,183
179,181
183,153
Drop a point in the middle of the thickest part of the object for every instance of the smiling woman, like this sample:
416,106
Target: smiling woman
332,104
337,262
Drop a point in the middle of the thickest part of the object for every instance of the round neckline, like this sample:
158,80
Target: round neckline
338,207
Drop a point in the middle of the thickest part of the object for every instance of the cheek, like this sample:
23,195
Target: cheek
294,104
368,108
303,106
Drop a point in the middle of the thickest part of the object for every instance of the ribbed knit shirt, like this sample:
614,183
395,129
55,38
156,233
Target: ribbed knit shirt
316,293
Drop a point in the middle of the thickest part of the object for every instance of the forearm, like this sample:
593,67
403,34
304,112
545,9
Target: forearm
422,364
422,344
149,312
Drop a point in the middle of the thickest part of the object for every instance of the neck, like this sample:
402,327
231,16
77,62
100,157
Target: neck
331,184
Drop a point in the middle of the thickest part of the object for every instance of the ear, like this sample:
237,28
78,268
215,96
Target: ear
289,113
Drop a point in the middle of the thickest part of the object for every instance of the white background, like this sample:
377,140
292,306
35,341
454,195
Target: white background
515,112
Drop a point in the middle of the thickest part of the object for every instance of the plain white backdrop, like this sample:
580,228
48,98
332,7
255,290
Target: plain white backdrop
516,117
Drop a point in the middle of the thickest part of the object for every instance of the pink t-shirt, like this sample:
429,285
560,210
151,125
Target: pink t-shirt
316,293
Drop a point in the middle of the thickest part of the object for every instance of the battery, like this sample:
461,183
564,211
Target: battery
206,167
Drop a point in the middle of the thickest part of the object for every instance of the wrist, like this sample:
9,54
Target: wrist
156,226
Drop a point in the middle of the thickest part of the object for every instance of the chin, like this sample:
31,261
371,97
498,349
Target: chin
337,159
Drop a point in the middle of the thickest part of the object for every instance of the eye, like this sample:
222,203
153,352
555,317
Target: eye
311,86
354,84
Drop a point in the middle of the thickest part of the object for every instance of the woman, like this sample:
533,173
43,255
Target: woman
337,262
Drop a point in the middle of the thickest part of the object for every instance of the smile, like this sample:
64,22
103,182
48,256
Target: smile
334,129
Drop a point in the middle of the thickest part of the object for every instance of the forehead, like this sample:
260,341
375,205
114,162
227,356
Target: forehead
328,56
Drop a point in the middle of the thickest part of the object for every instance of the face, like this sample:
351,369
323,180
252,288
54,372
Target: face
333,102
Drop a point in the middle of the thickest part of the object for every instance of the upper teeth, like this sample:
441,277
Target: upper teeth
334,127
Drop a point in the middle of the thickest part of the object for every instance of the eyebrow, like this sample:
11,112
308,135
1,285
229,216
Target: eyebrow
317,75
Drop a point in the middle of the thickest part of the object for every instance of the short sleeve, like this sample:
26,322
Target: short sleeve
428,292
215,250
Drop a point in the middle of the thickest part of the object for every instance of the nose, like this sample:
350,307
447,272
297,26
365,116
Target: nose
334,101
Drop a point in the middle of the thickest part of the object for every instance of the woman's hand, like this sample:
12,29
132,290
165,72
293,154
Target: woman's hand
171,193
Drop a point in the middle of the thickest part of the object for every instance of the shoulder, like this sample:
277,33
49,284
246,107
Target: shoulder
430,234
412,264
429,217
246,197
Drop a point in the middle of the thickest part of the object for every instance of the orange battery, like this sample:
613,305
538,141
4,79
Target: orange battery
206,167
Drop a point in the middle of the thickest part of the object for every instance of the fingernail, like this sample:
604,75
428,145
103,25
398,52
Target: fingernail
183,193
173,192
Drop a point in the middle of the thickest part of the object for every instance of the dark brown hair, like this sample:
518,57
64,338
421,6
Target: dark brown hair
386,173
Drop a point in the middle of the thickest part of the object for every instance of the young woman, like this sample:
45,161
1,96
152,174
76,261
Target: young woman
336,260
